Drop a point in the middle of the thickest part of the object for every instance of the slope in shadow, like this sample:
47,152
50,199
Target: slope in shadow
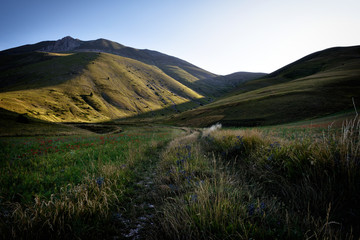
39,69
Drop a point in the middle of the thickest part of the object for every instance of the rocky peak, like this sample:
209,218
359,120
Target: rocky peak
63,45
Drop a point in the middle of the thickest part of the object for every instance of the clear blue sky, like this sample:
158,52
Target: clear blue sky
221,36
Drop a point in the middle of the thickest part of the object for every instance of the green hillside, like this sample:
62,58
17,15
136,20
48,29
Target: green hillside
200,80
13,124
317,85
101,80
86,87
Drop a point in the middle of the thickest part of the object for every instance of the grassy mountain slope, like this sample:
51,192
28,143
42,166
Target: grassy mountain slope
69,44
186,73
86,87
311,64
13,124
316,85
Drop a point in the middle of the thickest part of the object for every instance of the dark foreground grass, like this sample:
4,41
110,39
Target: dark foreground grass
209,184
72,187
248,184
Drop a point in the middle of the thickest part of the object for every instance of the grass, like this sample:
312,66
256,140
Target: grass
294,181
72,187
318,85
155,182
87,87
13,124
242,184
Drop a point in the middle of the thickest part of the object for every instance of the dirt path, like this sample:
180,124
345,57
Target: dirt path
142,212
139,211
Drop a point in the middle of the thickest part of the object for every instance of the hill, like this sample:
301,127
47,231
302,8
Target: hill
186,73
14,124
317,85
70,80
86,87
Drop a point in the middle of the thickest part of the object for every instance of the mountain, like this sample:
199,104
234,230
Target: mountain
174,67
186,73
218,86
322,83
86,87
70,80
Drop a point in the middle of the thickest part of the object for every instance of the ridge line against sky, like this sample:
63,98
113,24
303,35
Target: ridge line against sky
220,36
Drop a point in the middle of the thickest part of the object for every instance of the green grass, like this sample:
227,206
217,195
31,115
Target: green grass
72,186
86,87
318,85
155,182
13,124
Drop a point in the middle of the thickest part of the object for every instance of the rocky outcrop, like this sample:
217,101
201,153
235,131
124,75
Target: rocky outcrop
65,44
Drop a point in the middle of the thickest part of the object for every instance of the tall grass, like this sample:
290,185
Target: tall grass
75,190
209,184
74,210
255,185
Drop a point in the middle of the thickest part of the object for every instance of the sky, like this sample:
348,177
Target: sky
221,36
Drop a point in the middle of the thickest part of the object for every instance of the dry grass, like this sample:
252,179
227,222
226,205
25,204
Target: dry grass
85,203
253,185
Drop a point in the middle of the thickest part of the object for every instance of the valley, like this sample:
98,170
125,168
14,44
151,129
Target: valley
101,140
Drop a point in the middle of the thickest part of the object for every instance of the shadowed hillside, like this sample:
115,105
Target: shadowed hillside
319,84
14,124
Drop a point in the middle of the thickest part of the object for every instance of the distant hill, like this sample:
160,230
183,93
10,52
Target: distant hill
70,80
219,85
319,84
86,86
176,68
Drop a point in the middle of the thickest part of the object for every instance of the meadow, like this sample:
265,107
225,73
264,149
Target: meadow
72,186
161,182
253,184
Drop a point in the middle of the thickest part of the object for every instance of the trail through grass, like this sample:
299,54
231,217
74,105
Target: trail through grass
76,187
156,183
253,184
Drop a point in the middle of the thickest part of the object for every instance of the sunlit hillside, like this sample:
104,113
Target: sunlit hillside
87,87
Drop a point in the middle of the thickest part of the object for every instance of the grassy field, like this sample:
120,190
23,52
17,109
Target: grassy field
157,182
254,184
73,186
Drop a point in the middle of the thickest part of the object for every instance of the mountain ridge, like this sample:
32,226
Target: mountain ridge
81,82
69,44
70,80
186,73
319,84
88,86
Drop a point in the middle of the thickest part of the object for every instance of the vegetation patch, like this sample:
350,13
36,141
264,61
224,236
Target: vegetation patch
242,184
72,187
